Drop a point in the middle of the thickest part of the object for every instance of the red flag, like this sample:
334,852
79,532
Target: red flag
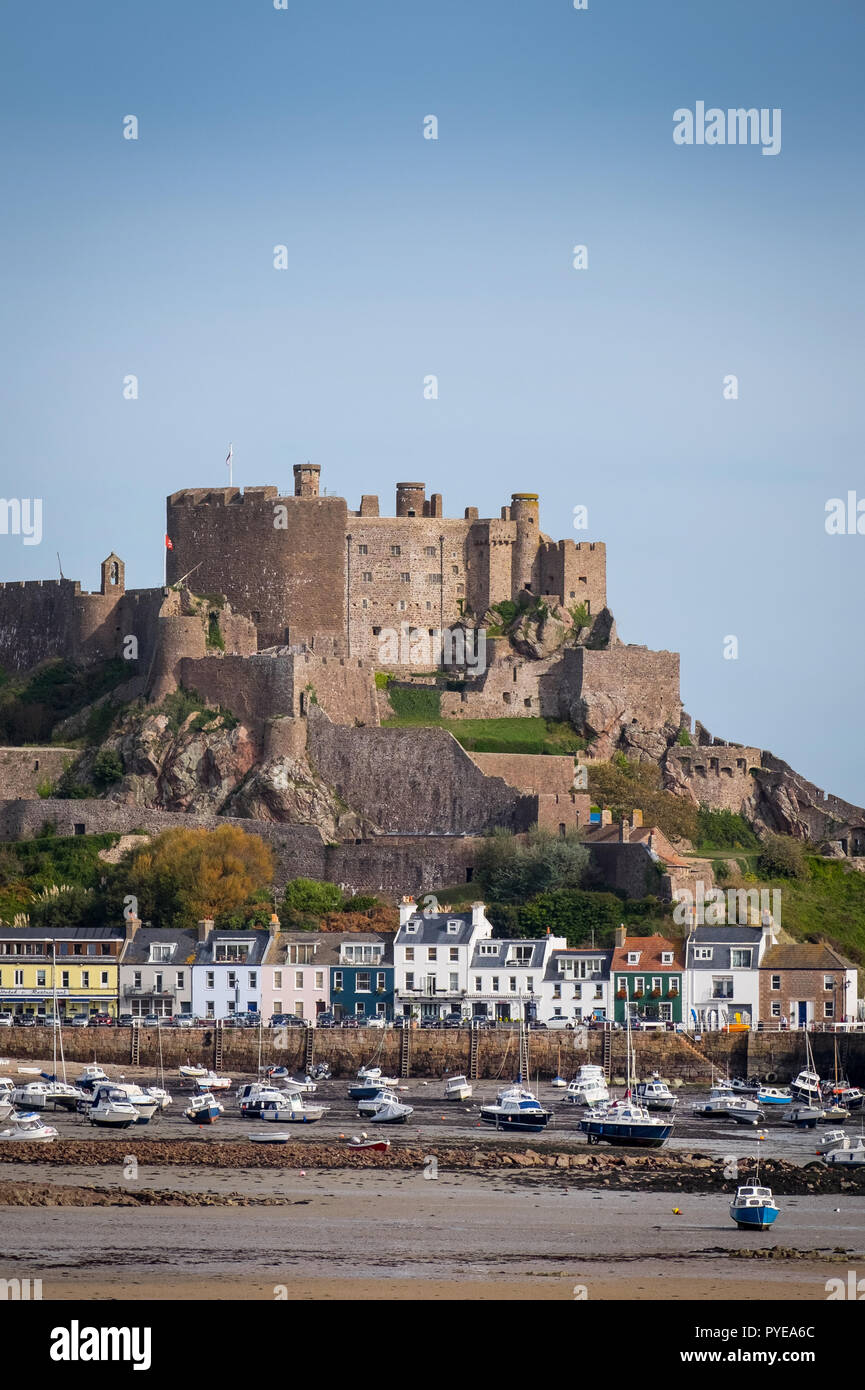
169,544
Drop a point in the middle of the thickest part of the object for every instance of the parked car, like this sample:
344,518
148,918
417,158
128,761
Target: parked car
402,1021
288,1021
378,1022
80,1021
350,1021
430,1023
183,1021
324,1020
482,1021
125,1021
453,1021
151,1020
5,1020
100,1020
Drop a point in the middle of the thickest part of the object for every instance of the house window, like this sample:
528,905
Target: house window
433,579
405,577
828,982
776,1008
513,984
158,953
454,923
665,1013
740,959
495,984
298,979
277,1006
104,979
362,985
666,957
557,991
431,953
409,979
363,550
412,926
599,991
319,979
337,979
722,987
530,984
64,979
232,979
252,976
18,977
395,550
429,550
40,979
478,984
639,984
209,980
488,948
656,982
366,576
776,982
633,958
622,982
578,991
829,1009
703,953
136,979
409,952
402,605
157,980
454,981
454,953
379,980
277,979
180,977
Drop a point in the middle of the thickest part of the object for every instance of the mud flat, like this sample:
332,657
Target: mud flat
394,1234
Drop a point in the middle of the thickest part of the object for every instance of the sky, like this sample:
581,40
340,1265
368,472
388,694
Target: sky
406,257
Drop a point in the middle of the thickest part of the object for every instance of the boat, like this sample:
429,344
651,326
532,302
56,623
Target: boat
190,1073
805,1116
457,1088
833,1112
211,1082
832,1139
369,1073
745,1112
90,1077
773,1095
360,1141
716,1104
160,1095
626,1121
559,1082
743,1087
807,1085
589,1087
292,1110
28,1127
516,1108
203,1109
847,1154
753,1208
385,1108
365,1090
656,1094
255,1095
145,1105
851,1097
320,1071
45,1095
271,1136
112,1111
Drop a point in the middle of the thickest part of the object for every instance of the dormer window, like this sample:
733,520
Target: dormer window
702,953
633,958
488,948
454,925
413,926
666,957
160,952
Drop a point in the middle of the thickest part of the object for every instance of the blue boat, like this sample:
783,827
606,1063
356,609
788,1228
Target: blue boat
753,1208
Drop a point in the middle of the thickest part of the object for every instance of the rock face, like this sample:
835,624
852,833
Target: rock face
541,631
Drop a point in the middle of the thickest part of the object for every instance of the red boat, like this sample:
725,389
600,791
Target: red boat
380,1144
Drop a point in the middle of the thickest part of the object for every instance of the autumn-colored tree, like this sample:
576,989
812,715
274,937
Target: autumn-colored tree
623,785
183,876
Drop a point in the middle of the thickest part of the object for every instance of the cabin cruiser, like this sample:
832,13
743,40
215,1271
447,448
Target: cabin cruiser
516,1108
90,1077
385,1108
290,1109
256,1096
656,1095
832,1139
457,1088
773,1095
805,1116
851,1097
743,1087
370,1086
42,1095
144,1105
203,1109
753,1208
111,1109
627,1122
847,1154
589,1087
190,1073
807,1086
28,1127
717,1103
160,1095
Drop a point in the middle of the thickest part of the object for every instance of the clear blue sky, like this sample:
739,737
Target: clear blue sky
408,257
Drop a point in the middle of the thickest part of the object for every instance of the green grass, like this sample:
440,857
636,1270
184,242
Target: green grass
828,905
514,735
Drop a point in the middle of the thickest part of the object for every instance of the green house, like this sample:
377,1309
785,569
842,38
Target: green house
647,976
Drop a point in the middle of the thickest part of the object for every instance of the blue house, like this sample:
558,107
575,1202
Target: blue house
362,977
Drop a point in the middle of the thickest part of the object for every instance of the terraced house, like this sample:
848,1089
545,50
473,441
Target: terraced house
648,974
576,983
156,971
506,978
77,965
296,975
361,980
227,975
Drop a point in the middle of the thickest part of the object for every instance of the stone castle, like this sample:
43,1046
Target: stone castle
274,609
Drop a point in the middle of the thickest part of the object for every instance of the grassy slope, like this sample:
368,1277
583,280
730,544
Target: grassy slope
532,735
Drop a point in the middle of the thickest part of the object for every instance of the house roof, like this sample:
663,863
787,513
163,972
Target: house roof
259,942
498,959
62,933
585,952
433,930
137,952
327,946
805,955
649,836
710,936
651,948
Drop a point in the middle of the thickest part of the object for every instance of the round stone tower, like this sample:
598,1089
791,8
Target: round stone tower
524,511
410,498
306,476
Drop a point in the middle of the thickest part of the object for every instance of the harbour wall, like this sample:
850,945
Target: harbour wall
433,1052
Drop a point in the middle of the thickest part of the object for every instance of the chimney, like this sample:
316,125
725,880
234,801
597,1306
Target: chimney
479,915
624,830
606,816
130,926
620,937
205,928
273,924
407,909
636,818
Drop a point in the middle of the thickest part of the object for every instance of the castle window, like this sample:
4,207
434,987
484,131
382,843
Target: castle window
428,606
573,593
367,576
363,550
79,828
395,550
455,569
433,579
582,579
365,603
461,588
429,550
401,605
376,631
405,577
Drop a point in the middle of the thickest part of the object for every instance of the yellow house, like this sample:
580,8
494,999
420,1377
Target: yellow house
78,967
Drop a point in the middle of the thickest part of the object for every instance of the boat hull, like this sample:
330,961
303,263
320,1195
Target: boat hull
627,1132
754,1218
529,1124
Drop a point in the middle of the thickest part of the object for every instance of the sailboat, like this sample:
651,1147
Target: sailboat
516,1107
626,1121
558,1080
807,1085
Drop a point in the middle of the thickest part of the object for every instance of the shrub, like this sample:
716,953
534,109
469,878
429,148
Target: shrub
107,768
683,738
783,857
512,870
723,830
415,702
308,896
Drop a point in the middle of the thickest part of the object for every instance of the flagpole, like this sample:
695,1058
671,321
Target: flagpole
230,462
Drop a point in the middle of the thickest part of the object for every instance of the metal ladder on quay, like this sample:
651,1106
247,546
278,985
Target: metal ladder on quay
217,1046
404,1052
309,1050
474,1052
135,1045
608,1052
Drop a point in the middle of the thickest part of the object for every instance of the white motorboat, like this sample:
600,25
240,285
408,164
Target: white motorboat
716,1104
805,1116
28,1127
372,1107
753,1208
6,1109
559,1082
745,1112
190,1073
589,1087
209,1081
203,1109
392,1112
90,1077
110,1112
255,1096
47,1095
626,1121
145,1104
160,1095
456,1088
291,1110
807,1085
832,1139
847,1154
656,1095
517,1108
773,1095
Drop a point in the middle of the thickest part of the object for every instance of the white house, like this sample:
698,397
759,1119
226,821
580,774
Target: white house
576,984
432,956
156,971
227,975
722,979
506,977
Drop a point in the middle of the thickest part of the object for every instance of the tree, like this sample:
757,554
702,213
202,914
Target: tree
783,857
623,786
509,869
308,897
183,876
107,768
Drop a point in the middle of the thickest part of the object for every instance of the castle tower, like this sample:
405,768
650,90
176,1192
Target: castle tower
113,575
410,498
524,511
306,477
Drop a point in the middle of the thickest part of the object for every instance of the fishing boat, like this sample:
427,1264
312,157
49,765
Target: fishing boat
832,1139
457,1088
203,1109
773,1095
753,1208
385,1108
111,1110
656,1095
589,1087
626,1121
291,1110
847,1154
516,1108
28,1127
360,1141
